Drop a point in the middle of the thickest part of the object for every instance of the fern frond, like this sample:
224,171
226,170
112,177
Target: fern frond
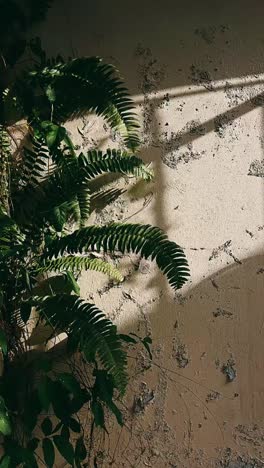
69,181
148,241
88,330
75,263
61,214
5,152
102,198
96,162
87,84
48,200
34,165
84,202
33,236
11,238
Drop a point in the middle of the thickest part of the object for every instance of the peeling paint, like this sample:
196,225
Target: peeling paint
256,168
222,313
201,78
181,355
229,370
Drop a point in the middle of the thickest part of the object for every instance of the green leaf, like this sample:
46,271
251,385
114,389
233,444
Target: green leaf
50,93
96,162
127,338
145,240
103,389
91,331
33,444
5,425
65,448
98,413
146,342
57,427
60,401
116,411
48,452
79,401
5,462
54,133
80,449
72,282
70,382
74,425
65,433
147,339
87,84
33,171
3,341
103,386
77,263
46,426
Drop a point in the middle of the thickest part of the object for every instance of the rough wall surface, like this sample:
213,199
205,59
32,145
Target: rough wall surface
197,74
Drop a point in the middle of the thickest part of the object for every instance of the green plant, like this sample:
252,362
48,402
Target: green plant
43,189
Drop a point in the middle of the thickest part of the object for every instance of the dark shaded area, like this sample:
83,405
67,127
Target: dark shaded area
17,17
176,32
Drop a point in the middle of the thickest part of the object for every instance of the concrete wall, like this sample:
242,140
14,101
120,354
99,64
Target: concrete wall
196,71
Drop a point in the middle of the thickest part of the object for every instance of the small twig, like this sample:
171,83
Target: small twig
196,396
145,204
52,111
117,443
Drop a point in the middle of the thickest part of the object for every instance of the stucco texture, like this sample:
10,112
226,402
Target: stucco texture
196,71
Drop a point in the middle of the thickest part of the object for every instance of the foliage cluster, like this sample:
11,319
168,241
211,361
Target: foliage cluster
44,186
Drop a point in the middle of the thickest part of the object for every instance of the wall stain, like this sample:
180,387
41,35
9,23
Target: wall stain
219,312
201,77
256,168
229,370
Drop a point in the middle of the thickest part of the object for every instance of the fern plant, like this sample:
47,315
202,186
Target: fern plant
42,190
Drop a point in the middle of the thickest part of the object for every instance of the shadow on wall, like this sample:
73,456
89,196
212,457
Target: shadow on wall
197,130
222,40
207,369
204,392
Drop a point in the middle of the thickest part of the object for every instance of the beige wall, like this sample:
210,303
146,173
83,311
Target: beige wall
196,70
